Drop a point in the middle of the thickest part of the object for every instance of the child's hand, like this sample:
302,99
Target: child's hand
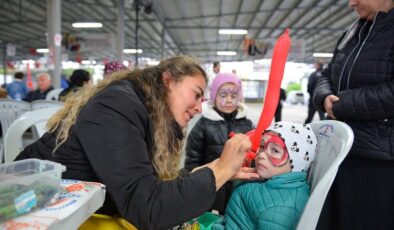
246,173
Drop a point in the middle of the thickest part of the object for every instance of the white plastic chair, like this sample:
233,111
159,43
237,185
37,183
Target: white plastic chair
53,95
334,141
13,141
9,111
42,104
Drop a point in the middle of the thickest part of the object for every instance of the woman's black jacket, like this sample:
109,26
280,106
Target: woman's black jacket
111,143
361,74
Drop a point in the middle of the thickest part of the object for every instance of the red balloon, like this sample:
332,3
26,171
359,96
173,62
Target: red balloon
278,62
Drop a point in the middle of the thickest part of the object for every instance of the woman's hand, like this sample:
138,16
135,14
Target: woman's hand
246,173
231,159
328,103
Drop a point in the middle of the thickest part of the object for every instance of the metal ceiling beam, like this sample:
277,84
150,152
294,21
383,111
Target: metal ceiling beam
158,33
305,12
317,13
218,23
24,21
158,11
245,12
328,22
248,27
284,17
264,26
255,28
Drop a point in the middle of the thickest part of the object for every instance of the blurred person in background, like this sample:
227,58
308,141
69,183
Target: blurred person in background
278,111
216,70
17,90
44,84
312,81
216,67
358,88
78,79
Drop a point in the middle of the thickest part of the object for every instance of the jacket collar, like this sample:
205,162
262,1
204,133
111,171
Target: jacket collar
210,113
384,18
287,180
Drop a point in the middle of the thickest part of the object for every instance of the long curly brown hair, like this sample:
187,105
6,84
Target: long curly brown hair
167,149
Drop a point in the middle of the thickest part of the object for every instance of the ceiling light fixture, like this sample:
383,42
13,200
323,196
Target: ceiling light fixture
233,31
322,54
87,25
42,50
226,53
132,51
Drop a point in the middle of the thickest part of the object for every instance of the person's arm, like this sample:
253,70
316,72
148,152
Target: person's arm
312,80
323,89
374,102
195,147
324,86
114,133
231,159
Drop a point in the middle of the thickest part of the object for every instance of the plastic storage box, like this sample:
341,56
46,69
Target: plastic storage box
27,185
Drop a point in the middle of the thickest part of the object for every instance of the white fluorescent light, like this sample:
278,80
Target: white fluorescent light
153,62
42,50
87,25
30,61
322,54
132,51
88,62
226,53
232,31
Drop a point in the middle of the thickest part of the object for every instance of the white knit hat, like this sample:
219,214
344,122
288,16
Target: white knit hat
300,142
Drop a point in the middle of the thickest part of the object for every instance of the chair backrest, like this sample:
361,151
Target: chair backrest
334,140
53,95
42,104
13,139
10,110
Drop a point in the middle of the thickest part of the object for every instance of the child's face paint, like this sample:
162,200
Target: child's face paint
272,158
227,98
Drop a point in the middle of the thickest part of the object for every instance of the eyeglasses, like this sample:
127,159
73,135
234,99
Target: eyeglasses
275,149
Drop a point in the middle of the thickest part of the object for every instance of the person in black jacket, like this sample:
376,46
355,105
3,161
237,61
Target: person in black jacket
44,84
278,111
78,79
221,115
312,81
358,88
126,133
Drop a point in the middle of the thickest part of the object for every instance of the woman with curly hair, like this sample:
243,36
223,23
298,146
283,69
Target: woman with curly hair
126,132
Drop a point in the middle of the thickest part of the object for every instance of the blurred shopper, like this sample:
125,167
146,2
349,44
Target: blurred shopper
78,79
278,112
17,89
312,81
3,94
358,88
44,86
64,82
216,67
